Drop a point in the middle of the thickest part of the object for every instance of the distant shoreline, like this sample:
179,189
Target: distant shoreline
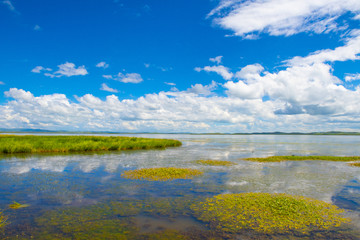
334,133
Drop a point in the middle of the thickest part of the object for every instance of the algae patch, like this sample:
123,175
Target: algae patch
268,213
215,162
303,158
161,174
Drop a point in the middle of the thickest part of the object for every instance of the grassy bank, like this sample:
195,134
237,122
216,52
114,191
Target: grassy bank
162,174
42,144
303,158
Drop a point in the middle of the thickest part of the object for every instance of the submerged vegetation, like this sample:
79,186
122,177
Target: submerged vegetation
41,144
303,158
3,220
215,162
161,174
16,205
268,213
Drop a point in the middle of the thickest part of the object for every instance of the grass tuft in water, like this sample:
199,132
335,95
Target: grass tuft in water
40,144
215,162
303,158
161,174
16,205
355,164
268,213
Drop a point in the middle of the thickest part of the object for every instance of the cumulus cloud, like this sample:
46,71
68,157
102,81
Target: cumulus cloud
216,60
67,69
103,65
106,88
281,17
125,78
203,90
352,77
223,71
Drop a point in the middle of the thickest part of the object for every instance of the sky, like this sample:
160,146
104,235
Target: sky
230,66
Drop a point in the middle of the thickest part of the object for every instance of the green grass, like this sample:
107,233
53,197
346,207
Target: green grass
268,213
16,205
215,162
161,174
303,158
3,220
61,144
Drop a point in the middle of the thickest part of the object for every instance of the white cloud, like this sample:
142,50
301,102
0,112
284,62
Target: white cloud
350,51
170,83
352,77
203,90
216,60
37,28
106,88
281,17
221,70
125,78
9,4
103,65
2,83
67,69
147,65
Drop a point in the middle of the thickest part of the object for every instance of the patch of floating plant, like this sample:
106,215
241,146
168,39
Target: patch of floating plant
268,213
355,164
302,158
161,174
209,162
16,205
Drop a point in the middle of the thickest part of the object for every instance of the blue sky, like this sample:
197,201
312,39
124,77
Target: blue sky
171,66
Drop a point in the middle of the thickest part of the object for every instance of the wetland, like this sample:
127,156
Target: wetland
178,192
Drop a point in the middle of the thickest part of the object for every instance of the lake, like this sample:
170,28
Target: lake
83,196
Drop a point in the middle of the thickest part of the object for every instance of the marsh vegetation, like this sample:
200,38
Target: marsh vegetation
161,174
303,158
210,162
42,144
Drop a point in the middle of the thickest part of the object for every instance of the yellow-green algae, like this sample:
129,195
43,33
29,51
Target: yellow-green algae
162,174
355,164
303,158
3,220
45,144
215,162
166,235
268,213
16,205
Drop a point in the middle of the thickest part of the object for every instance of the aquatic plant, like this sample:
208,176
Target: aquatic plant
3,220
302,158
161,174
355,164
39,144
268,213
215,162
16,205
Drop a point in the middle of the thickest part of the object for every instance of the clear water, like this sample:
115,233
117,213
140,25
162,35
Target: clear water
83,196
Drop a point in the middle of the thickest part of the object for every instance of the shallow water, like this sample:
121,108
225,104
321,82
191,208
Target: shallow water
74,196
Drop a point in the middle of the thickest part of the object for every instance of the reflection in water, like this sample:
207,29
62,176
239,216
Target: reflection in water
52,182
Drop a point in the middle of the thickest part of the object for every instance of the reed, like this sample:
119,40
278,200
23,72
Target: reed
10,144
303,158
